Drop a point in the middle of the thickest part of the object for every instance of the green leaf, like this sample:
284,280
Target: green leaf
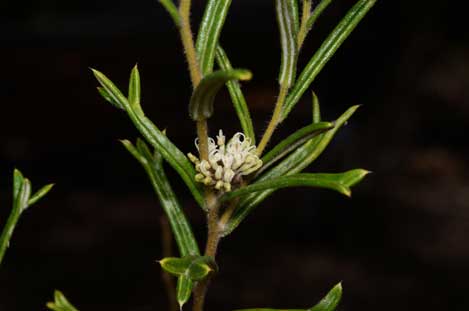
316,109
155,137
294,13
184,289
40,194
180,226
175,265
237,97
201,104
104,94
328,303
294,163
317,12
196,267
134,88
21,194
340,182
291,143
172,10
209,33
287,21
60,303
325,52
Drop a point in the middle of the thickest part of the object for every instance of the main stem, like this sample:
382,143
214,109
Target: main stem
214,236
194,69
274,121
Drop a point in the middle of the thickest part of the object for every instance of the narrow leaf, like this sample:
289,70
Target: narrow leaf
180,226
292,142
21,201
134,88
317,12
294,163
303,31
183,289
40,194
156,138
340,182
286,20
326,51
201,104
18,180
21,193
60,303
209,33
293,9
172,10
104,94
330,301
316,109
237,97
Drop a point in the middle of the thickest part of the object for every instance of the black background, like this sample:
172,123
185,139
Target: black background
399,243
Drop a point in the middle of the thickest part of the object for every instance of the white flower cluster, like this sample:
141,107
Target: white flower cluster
226,163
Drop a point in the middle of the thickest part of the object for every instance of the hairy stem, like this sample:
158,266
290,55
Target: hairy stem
188,42
214,236
194,68
274,121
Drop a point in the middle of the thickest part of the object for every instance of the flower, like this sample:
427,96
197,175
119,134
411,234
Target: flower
226,162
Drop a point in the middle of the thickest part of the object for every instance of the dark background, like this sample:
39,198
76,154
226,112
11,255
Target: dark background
400,243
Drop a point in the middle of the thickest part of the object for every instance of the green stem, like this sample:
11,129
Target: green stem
274,121
8,230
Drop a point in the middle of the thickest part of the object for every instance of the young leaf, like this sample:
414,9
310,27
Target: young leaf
340,182
303,30
176,266
172,10
294,163
317,12
184,289
201,104
134,88
209,33
326,51
316,109
287,21
195,267
292,142
155,137
40,194
330,301
180,226
237,97
60,303
21,201
104,94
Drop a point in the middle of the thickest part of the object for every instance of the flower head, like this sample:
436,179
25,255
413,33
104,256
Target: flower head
227,162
